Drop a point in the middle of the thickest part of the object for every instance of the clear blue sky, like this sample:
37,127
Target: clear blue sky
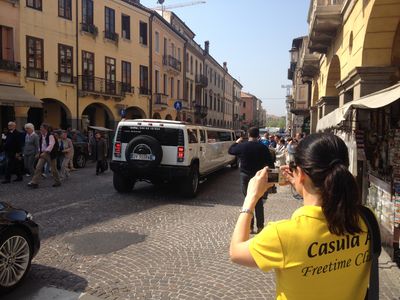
253,36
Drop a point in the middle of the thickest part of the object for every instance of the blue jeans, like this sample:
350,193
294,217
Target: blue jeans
259,209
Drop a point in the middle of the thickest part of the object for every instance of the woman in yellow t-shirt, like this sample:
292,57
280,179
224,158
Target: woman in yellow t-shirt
322,251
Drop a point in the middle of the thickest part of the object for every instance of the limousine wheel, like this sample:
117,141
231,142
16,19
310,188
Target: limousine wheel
144,152
122,183
191,183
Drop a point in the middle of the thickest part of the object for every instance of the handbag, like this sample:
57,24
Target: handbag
374,250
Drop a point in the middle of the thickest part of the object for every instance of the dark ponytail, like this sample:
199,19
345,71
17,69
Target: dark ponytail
324,158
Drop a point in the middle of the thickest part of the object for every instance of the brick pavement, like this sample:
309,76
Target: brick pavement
159,245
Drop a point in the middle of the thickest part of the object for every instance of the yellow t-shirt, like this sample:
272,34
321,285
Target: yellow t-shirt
309,261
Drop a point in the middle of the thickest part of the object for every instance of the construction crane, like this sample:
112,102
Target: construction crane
165,7
288,89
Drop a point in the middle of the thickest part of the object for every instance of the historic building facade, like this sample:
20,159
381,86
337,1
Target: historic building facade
237,103
168,71
90,68
354,92
86,62
14,99
195,79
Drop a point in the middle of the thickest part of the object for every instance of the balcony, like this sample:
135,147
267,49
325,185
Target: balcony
37,74
112,36
172,63
202,81
9,65
144,91
90,29
127,88
290,74
160,101
309,62
324,20
100,87
200,110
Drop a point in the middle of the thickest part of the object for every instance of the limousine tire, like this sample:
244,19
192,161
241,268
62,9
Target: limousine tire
144,144
122,183
190,184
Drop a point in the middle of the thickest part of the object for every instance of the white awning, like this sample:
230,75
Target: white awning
371,101
17,96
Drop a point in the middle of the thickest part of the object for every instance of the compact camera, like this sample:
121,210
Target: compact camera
276,176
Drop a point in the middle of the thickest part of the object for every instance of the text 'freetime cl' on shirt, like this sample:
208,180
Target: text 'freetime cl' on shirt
309,261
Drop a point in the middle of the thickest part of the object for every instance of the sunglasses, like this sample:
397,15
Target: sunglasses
292,166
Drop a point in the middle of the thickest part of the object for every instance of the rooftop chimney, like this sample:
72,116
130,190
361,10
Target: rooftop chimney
207,46
225,66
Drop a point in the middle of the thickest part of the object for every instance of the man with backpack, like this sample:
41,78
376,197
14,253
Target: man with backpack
48,150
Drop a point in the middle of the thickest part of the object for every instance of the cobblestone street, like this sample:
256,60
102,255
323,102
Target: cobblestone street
149,244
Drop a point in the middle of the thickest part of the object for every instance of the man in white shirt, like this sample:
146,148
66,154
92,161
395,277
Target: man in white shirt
48,149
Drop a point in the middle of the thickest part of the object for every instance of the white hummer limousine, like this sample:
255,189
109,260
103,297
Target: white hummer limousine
168,151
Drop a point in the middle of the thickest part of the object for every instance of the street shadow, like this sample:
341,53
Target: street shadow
98,243
41,278
86,199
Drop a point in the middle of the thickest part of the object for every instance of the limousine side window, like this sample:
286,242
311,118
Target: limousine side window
224,136
202,136
212,136
192,135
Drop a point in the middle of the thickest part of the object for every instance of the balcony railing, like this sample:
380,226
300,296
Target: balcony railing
200,110
100,86
160,101
324,19
66,78
172,62
90,28
10,65
127,88
37,73
201,80
113,36
144,91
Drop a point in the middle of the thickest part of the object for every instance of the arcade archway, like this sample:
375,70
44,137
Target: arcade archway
97,114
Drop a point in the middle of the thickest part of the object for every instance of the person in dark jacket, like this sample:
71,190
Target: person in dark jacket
13,151
98,148
253,157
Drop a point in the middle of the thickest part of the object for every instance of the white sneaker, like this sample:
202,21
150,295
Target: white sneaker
28,175
44,175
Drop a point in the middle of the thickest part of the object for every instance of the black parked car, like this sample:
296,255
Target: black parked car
19,243
81,148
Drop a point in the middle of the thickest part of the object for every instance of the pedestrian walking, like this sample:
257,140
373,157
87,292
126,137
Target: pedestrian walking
67,150
253,157
98,148
315,254
48,148
291,150
280,152
31,148
13,151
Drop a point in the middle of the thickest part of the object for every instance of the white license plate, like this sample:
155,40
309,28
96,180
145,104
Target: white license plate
135,156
